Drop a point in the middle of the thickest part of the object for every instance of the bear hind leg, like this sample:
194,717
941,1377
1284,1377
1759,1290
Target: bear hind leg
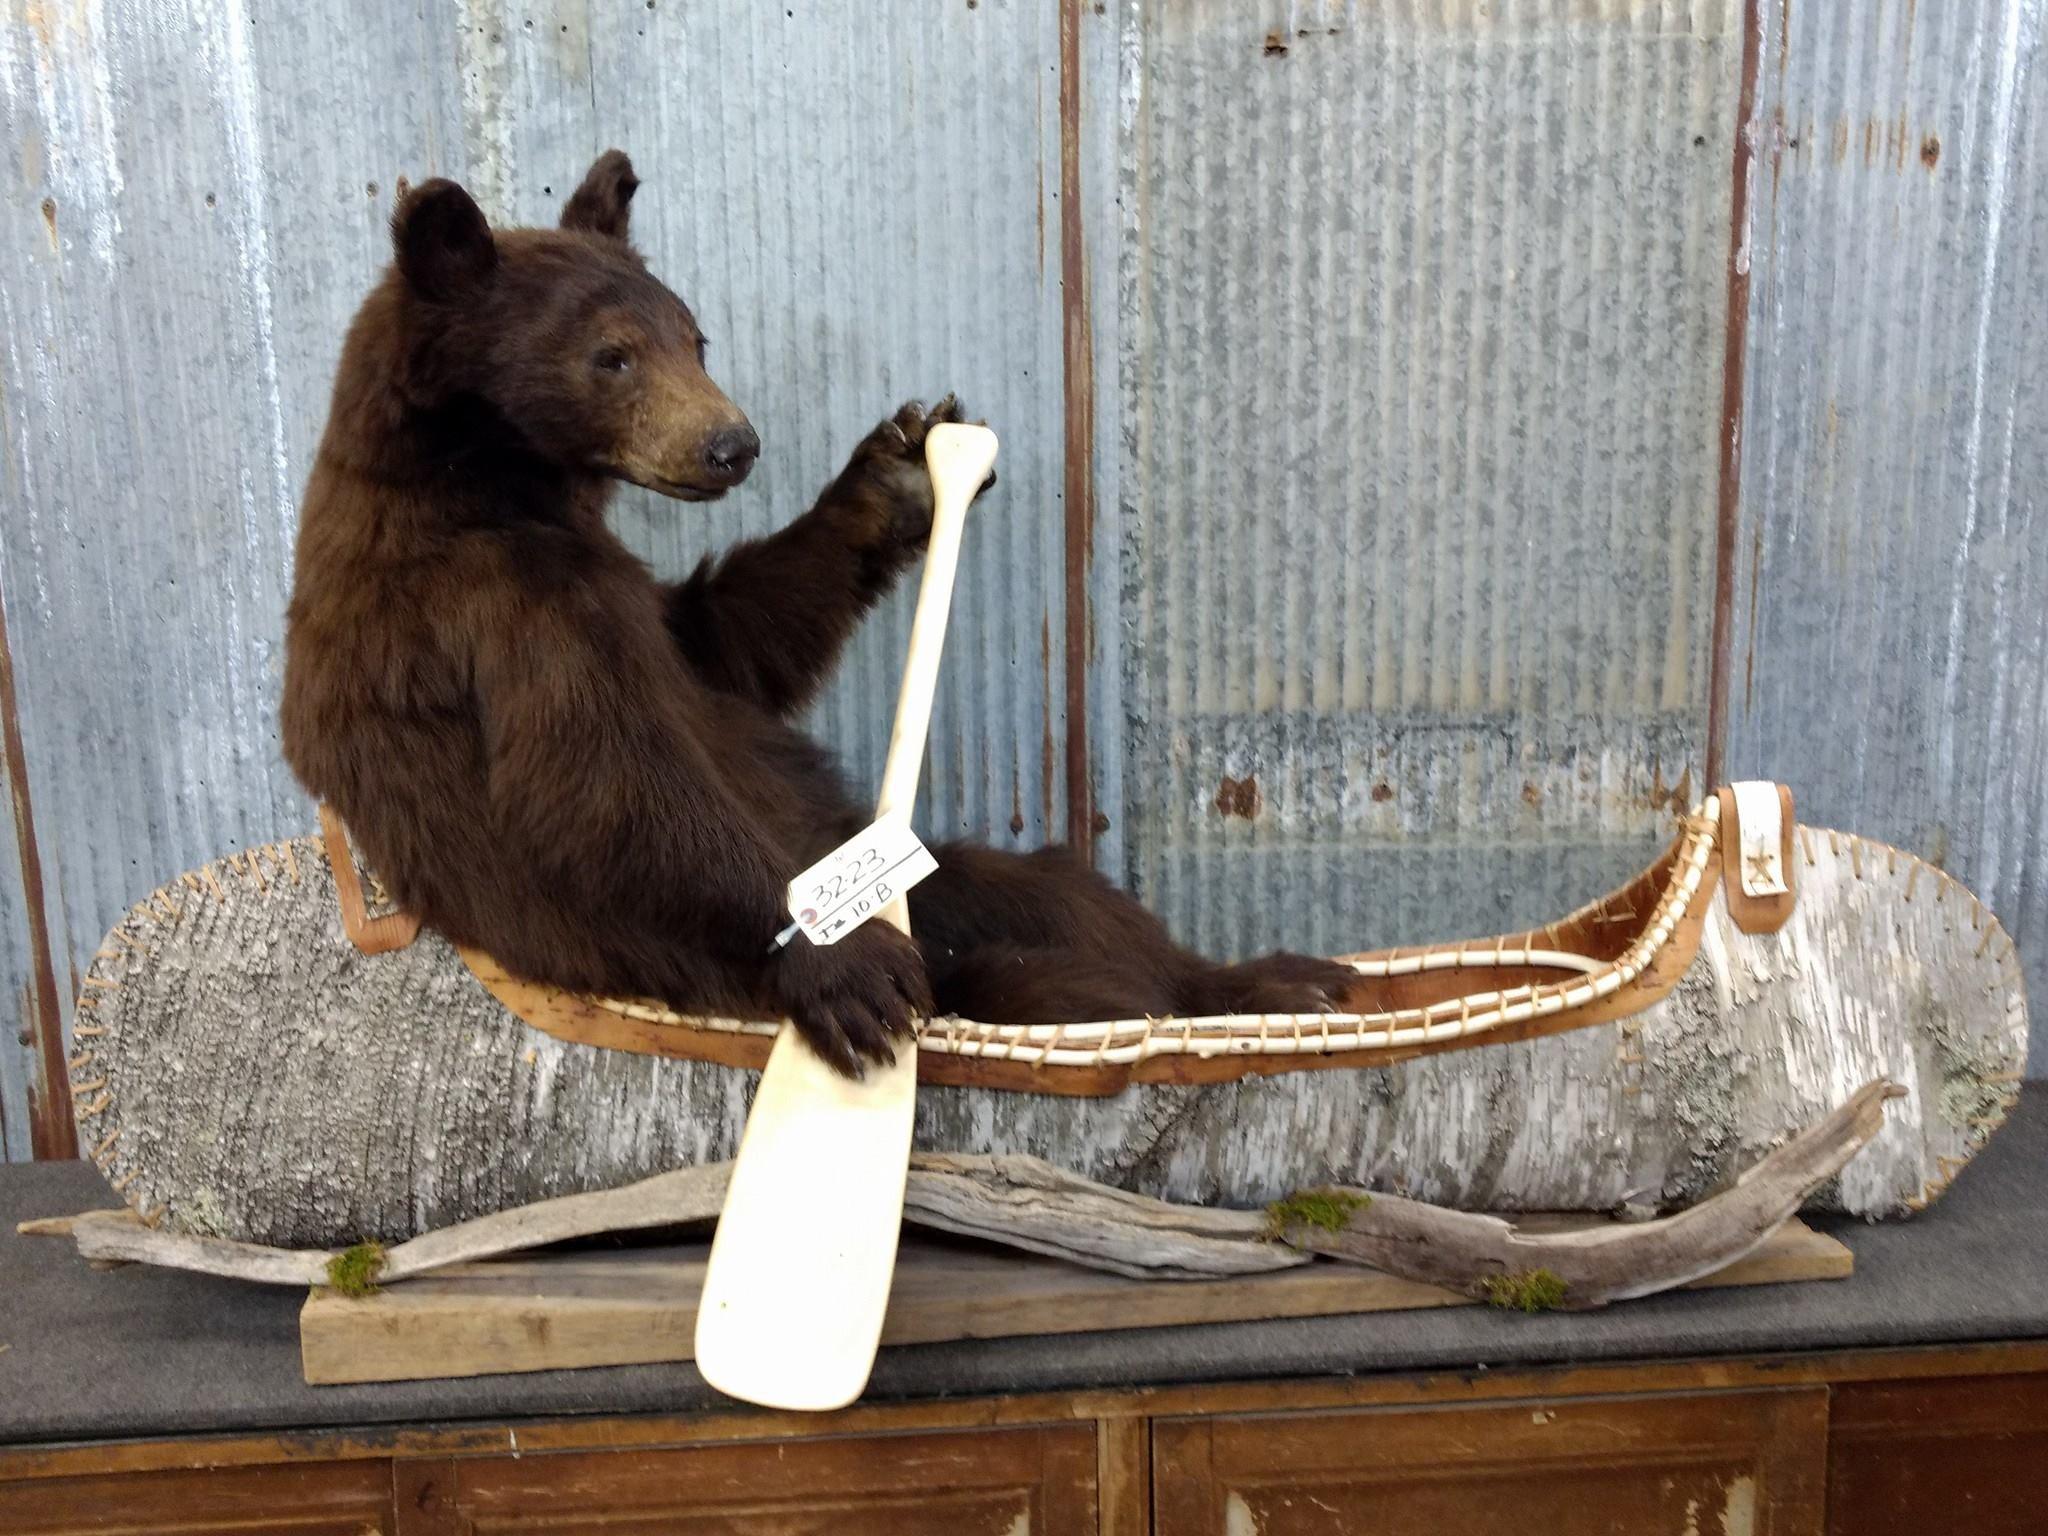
1011,984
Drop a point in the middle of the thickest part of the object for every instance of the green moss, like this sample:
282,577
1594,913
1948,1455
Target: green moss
1528,1290
1328,1209
354,1271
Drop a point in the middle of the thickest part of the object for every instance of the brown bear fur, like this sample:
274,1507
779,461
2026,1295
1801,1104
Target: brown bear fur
591,775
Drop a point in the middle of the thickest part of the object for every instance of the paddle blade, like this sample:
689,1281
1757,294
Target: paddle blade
800,1267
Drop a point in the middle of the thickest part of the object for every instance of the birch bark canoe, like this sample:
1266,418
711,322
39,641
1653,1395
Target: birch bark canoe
244,1071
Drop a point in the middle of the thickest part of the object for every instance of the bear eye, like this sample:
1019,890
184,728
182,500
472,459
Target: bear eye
612,360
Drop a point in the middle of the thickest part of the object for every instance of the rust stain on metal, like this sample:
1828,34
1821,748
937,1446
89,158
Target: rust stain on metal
1756,567
1676,797
1729,511
1041,184
1049,754
1938,845
52,1134
1077,347
1239,797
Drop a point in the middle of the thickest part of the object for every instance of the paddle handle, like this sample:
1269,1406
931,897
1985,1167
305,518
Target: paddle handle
959,457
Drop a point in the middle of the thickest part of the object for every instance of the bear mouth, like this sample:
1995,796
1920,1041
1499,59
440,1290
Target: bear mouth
675,490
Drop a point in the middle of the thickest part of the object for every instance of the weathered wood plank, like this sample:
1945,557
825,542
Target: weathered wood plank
563,1311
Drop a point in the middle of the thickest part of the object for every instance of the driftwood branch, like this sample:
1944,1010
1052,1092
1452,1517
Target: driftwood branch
666,1200
1490,1257
1020,1202
107,1238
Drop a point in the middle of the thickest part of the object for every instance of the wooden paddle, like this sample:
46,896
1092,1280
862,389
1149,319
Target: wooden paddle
799,1272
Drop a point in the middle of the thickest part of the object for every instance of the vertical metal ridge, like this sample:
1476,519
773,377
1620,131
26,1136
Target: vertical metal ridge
1728,515
1077,348
52,1132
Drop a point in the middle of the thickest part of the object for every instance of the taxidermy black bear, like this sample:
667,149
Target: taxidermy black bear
593,775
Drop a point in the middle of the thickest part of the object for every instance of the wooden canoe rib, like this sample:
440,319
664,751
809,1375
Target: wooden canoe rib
245,1070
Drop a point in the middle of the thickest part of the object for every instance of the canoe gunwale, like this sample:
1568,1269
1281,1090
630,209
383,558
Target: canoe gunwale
1635,944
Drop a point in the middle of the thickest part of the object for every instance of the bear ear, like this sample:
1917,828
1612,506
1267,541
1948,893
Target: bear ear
444,246
603,204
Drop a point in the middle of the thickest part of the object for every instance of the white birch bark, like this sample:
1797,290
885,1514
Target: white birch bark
244,1072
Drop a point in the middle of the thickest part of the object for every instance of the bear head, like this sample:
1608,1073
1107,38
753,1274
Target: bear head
565,338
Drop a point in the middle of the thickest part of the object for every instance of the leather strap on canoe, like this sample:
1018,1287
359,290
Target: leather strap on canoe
1759,873
372,935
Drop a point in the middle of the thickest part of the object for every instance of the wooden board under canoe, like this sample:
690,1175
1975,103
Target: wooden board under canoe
564,1311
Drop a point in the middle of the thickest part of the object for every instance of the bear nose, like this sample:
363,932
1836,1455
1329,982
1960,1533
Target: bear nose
731,453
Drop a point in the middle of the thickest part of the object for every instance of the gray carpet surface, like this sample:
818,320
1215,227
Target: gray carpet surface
141,1352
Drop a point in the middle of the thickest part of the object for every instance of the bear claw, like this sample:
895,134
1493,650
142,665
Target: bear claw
851,1000
885,488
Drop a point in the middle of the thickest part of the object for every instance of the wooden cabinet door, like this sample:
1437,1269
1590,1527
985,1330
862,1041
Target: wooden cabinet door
1739,1463
336,1499
1011,1482
1962,1455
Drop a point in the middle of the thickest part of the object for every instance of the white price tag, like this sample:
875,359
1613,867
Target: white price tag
857,879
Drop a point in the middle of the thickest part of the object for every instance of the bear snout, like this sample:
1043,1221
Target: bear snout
730,453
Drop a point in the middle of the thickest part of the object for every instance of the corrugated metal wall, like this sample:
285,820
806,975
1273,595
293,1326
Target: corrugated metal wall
1360,368
1424,308
1889,650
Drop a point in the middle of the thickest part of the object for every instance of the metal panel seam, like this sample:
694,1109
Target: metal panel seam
51,1130
1077,345
1729,510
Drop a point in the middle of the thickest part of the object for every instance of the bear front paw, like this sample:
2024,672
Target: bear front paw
852,1000
885,491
